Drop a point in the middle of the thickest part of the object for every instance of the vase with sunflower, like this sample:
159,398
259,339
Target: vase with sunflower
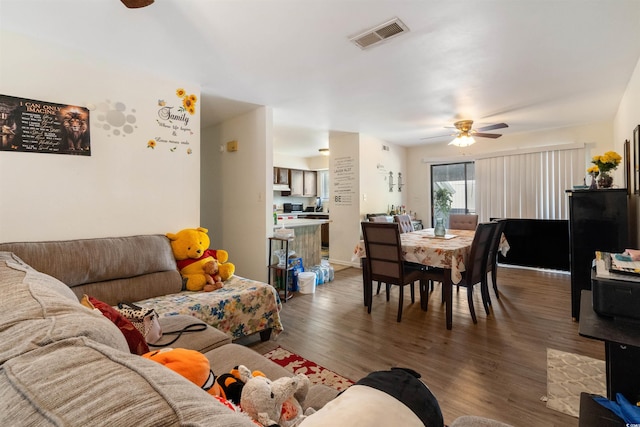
593,172
606,163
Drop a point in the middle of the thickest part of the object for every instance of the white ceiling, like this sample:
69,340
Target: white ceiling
534,64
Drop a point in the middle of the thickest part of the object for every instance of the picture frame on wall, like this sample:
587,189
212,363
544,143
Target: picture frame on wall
636,160
627,166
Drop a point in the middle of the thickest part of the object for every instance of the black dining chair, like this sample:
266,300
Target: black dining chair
475,271
385,264
492,258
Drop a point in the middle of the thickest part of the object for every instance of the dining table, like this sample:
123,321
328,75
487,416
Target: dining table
449,253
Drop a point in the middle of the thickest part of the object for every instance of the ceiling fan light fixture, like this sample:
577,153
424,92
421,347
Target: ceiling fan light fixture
463,141
324,151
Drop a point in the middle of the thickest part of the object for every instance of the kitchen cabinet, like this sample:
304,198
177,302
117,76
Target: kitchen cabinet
598,221
296,182
281,176
310,187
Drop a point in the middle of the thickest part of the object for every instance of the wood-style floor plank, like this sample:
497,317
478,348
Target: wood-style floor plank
495,369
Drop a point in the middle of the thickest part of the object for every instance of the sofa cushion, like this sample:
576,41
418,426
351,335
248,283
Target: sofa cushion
112,269
135,340
203,339
78,382
35,314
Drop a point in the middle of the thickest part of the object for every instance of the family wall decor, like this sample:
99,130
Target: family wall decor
28,125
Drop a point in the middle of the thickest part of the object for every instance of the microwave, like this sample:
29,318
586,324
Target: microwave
291,207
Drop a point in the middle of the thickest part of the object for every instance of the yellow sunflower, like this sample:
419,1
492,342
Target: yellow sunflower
193,98
181,92
151,144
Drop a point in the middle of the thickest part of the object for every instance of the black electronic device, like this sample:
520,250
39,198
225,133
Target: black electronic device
614,295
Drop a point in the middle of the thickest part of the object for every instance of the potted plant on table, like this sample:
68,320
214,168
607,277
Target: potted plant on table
442,199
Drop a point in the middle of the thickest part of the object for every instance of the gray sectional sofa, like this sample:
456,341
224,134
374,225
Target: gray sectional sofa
63,364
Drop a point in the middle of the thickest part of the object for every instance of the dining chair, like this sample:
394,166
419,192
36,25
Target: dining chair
378,219
406,226
492,258
463,221
385,263
475,272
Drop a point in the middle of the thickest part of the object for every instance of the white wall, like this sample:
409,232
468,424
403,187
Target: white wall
345,217
375,165
123,188
237,190
627,118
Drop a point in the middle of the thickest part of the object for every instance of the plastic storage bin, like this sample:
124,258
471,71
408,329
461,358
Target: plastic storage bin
307,282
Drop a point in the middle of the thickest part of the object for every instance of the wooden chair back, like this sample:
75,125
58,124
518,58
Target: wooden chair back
384,251
463,221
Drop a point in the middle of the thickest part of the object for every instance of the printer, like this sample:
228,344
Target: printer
615,293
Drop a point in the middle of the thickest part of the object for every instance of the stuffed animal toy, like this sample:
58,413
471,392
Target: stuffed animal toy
195,367
191,364
202,268
230,385
274,403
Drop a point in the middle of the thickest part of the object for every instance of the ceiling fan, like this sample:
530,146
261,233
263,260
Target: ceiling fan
465,135
135,4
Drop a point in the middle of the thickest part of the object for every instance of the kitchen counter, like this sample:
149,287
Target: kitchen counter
307,242
299,222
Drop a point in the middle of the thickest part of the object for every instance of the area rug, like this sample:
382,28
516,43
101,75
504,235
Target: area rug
568,375
316,373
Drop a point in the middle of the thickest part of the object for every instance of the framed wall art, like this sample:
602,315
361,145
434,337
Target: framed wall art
636,160
28,125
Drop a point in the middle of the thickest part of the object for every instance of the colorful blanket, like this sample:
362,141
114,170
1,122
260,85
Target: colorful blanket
242,307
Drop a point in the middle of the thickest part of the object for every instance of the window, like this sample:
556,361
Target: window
323,185
459,178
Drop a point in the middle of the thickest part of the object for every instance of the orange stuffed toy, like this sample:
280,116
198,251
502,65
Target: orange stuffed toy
195,367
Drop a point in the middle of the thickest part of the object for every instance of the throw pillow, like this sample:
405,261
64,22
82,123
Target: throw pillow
137,343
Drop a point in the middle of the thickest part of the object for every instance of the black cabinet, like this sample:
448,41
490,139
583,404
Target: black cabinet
598,221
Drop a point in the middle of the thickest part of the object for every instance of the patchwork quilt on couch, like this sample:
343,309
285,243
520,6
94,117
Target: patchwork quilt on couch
242,307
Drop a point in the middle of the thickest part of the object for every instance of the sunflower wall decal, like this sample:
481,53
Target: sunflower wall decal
188,101
174,122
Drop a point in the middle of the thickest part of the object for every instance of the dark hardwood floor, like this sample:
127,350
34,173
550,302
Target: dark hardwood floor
495,369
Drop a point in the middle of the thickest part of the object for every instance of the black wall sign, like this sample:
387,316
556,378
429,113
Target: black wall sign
27,125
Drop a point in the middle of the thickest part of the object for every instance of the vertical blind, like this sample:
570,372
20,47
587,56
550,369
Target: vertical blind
529,185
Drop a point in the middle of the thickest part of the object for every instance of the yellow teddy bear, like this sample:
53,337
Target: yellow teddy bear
203,268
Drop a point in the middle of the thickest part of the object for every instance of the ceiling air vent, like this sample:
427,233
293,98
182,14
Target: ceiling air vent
382,32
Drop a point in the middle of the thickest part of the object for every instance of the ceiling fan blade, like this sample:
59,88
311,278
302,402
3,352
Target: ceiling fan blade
493,127
439,136
134,4
487,135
